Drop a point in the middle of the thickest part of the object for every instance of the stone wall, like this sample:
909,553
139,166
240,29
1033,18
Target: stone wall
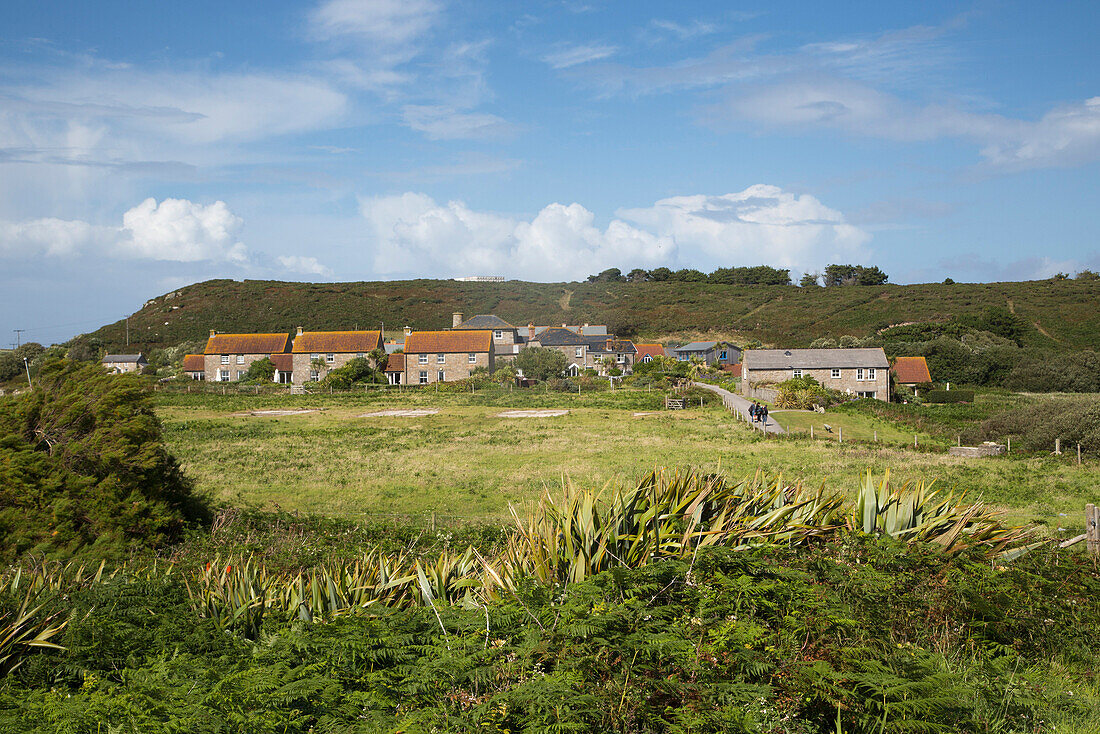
847,381
212,363
303,364
456,366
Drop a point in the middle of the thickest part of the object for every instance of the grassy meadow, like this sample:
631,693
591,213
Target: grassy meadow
467,463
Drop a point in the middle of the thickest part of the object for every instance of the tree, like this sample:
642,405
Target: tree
660,274
262,370
1087,274
638,275
689,275
948,281
379,359
809,280
540,363
611,275
755,275
854,275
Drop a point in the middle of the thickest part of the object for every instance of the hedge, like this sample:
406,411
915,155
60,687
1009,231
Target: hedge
949,396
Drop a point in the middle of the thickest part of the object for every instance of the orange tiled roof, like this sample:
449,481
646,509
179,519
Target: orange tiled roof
421,342
396,363
247,344
344,342
283,362
194,363
911,370
653,350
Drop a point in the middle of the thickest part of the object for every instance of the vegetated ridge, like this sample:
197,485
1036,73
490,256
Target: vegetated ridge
1060,315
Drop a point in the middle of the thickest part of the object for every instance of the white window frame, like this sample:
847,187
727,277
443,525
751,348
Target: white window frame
648,358
441,376
859,374
423,377
240,359
240,375
835,373
314,356
441,359
798,373
498,334
223,375
422,359
314,375
360,355
330,358
620,358
471,358
870,373
225,359
578,352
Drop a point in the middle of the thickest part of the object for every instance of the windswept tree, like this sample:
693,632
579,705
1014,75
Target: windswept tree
540,363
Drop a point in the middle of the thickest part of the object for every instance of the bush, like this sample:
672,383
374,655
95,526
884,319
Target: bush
1035,427
804,393
1078,372
540,363
949,396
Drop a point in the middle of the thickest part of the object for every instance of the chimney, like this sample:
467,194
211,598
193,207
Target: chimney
564,326
408,330
456,319
299,331
530,331
213,333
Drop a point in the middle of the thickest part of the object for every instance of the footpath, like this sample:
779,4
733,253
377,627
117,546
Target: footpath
740,404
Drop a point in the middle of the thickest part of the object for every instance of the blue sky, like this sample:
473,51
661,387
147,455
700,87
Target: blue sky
145,146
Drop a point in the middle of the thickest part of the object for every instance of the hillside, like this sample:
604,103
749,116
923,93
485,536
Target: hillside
1061,315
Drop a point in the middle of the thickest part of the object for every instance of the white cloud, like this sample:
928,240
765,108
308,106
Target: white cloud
51,237
306,265
569,55
763,224
684,31
389,22
446,123
181,231
1065,136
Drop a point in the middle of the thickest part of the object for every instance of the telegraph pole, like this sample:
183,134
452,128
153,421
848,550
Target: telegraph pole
27,365
17,338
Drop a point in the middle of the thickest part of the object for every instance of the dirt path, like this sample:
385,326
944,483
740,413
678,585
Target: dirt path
564,300
740,404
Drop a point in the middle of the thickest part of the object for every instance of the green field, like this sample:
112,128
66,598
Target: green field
465,462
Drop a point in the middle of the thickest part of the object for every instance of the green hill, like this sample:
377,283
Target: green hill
1059,315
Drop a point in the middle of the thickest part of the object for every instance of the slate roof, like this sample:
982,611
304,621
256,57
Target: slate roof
485,321
589,330
556,336
653,350
441,342
911,370
194,363
396,363
337,342
123,358
696,347
392,347
283,362
603,344
785,359
247,344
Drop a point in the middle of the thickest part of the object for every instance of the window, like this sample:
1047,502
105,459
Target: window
499,333
836,373
859,373
682,357
225,359
422,359
440,376
223,376
871,374
240,375
330,358
867,394
798,373
441,359
240,359
360,355
423,377
620,358
723,354
314,356
648,358
578,352
471,358
314,375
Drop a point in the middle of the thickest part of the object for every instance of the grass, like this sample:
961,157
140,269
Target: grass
854,427
465,463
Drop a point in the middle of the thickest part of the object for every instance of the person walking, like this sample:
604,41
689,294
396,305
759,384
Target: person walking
753,409
764,416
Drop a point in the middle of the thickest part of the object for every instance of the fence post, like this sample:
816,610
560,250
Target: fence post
914,440
1010,444
811,430
1078,454
1092,529
840,438
1057,447
876,435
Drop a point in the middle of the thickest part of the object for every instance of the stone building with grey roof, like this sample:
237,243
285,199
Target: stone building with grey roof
861,372
120,363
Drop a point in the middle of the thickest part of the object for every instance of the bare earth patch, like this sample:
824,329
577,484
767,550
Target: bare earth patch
532,413
399,413
646,414
281,412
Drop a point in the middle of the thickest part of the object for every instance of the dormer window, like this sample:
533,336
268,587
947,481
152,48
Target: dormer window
498,334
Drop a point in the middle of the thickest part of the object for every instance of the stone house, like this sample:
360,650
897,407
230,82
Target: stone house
445,356
583,352
227,357
720,353
332,348
194,366
122,363
862,372
507,340
646,352
395,368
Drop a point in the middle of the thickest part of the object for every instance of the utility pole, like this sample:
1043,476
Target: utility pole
127,331
17,338
25,364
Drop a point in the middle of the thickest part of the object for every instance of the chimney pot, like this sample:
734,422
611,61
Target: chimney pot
456,319
299,331
564,326
408,330
213,333
530,330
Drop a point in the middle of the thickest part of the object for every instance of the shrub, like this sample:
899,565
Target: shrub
1078,372
804,393
949,396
